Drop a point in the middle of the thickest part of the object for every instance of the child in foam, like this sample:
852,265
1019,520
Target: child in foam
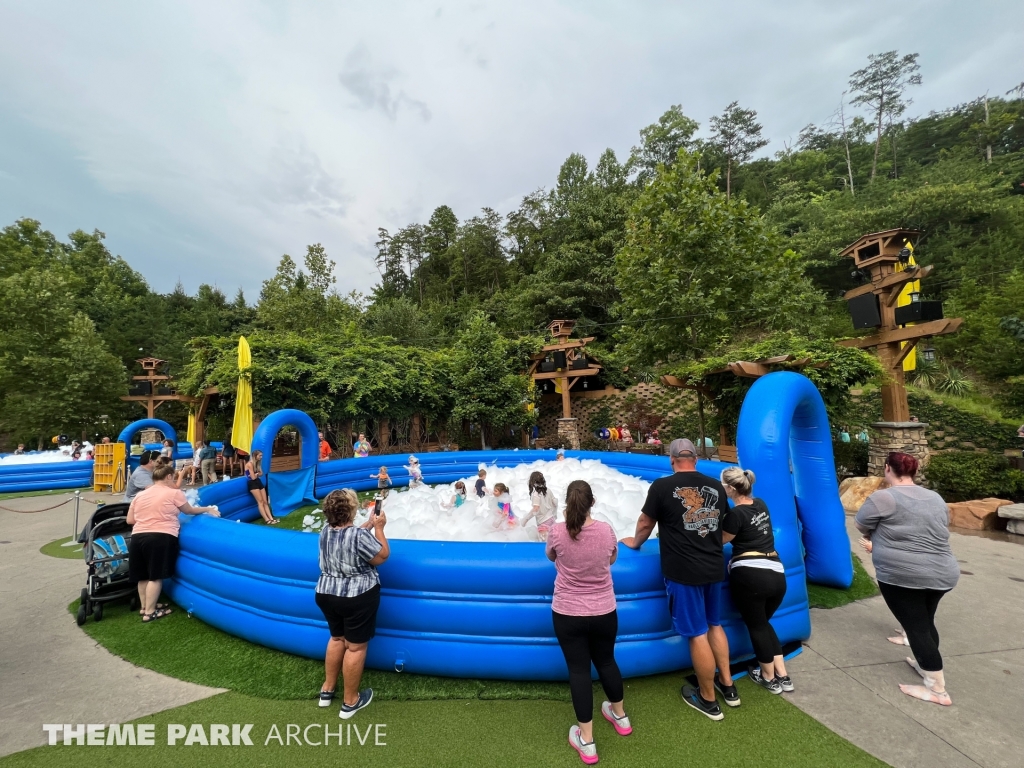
459,498
415,473
383,481
545,506
504,516
481,483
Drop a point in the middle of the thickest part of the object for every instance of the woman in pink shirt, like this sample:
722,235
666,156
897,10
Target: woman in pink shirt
583,611
153,549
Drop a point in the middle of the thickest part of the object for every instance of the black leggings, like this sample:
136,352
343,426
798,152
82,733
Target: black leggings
586,639
757,593
914,609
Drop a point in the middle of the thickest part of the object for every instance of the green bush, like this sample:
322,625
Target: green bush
965,475
851,458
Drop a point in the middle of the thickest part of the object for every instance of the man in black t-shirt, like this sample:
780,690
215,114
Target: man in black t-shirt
689,507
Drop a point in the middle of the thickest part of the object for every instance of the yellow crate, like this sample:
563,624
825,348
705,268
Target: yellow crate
108,472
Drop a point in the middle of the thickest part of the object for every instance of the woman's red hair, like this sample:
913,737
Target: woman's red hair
902,464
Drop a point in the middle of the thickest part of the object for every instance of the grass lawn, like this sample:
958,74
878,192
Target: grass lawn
57,549
829,597
765,731
52,492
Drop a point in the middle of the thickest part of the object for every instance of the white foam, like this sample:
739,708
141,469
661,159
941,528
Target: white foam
45,457
423,512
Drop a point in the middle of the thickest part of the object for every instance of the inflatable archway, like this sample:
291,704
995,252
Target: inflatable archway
137,426
477,609
783,425
309,441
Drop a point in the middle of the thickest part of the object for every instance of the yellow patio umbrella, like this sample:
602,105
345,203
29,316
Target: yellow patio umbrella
241,427
191,436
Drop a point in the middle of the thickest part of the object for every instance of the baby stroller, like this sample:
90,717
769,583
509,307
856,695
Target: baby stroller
105,540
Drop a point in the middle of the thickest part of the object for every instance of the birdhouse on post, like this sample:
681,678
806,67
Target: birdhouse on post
884,264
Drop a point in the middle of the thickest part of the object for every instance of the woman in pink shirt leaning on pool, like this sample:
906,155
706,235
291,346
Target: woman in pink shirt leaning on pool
153,549
583,612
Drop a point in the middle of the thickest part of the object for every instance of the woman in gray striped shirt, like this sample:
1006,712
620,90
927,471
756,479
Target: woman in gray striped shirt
348,593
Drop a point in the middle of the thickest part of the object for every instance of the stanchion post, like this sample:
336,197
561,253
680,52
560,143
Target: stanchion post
78,500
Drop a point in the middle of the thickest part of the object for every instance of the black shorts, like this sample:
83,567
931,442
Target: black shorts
353,618
254,484
152,556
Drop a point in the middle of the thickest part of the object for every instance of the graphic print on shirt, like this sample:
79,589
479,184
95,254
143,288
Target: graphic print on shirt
700,509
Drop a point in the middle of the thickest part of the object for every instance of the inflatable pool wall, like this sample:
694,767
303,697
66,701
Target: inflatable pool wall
477,609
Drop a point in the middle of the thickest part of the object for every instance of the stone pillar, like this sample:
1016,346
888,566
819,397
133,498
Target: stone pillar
903,436
150,435
568,435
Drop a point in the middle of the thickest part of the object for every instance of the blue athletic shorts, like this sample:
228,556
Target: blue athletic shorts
694,608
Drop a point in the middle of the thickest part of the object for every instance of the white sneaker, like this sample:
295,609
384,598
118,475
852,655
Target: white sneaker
621,724
587,752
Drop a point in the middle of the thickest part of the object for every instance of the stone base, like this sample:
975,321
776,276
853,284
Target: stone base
150,435
568,434
901,436
1015,526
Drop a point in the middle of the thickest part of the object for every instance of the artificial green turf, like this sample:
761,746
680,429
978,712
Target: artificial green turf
765,731
189,649
829,597
52,492
57,549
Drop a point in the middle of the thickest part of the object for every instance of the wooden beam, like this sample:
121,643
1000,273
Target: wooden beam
748,370
889,281
574,344
933,328
592,371
776,359
907,349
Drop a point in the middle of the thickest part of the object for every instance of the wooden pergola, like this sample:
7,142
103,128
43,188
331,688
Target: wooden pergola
744,369
566,360
156,381
883,258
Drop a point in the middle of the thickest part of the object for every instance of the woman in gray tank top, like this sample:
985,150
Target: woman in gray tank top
906,529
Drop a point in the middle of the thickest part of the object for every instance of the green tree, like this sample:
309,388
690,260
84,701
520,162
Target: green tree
304,300
56,374
880,86
737,135
489,381
660,143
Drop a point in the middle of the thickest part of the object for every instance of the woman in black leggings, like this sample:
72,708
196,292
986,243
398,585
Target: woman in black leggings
583,612
757,579
906,529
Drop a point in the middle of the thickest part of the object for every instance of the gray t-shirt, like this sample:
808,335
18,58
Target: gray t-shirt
139,481
909,530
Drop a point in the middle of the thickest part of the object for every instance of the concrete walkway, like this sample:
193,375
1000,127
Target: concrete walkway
50,671
848,674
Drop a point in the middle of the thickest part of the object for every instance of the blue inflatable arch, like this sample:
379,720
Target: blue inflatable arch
309,441
783,425
137,426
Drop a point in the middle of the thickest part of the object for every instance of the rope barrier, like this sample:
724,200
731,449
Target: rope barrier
94,502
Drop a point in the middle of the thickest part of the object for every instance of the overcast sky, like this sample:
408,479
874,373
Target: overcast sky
208,138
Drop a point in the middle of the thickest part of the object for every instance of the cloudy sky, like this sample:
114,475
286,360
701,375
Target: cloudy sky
206,139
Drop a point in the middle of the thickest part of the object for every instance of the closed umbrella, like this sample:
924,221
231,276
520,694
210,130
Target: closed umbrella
191,436
241,427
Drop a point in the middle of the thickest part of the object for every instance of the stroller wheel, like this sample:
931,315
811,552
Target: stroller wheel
81,615
97,612
134,604
84,597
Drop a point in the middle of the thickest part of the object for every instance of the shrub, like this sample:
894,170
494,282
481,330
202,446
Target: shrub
851,458
963,475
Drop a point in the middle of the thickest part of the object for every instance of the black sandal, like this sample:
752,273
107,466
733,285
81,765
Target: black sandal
157,614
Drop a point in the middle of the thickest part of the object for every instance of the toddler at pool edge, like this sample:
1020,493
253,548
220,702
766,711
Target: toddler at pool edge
503,507
383,481
545,506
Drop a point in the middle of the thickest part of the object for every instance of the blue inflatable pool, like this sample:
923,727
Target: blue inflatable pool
476,609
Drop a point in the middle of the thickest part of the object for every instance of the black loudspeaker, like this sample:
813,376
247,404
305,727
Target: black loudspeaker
559,358
547,367
140,389
164,391
580,364
864,311
919,312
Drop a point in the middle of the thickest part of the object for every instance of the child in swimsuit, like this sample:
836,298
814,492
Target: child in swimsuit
504,517
458,499
415,473
383,481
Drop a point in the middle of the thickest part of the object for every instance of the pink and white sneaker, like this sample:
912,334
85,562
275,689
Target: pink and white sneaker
622,726
588,752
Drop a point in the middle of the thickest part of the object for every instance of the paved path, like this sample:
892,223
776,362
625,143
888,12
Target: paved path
51,671
847,675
